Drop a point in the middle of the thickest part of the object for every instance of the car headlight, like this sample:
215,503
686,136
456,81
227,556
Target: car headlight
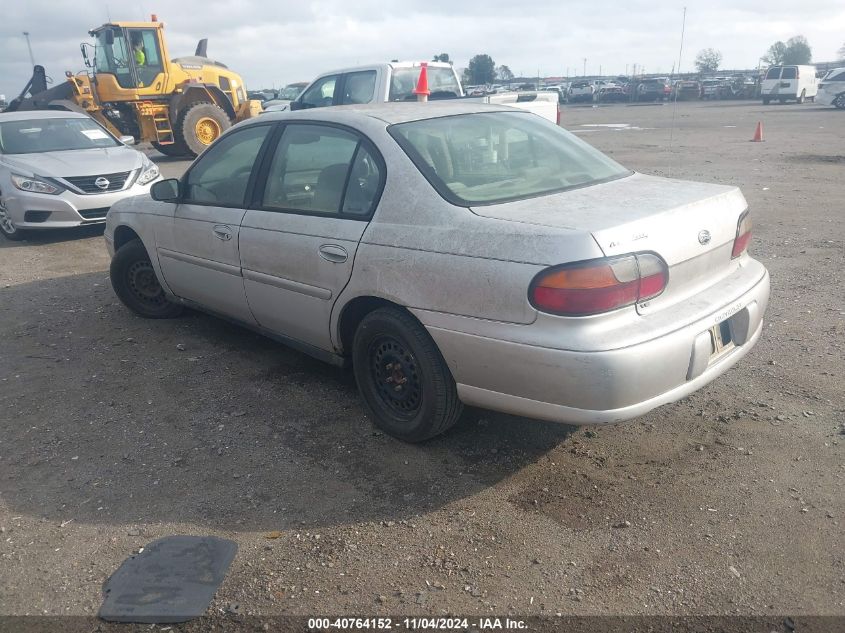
149,172
34,185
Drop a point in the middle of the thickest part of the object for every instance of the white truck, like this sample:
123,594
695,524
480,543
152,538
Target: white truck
794,83
395,82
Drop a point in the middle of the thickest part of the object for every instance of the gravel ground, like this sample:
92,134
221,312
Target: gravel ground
115,431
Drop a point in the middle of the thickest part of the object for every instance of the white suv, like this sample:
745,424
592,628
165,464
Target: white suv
832,89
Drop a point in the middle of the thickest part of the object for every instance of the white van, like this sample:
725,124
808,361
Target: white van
795,83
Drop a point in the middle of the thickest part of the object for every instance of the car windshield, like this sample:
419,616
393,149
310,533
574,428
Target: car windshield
442,82
289,93
33,136
486,158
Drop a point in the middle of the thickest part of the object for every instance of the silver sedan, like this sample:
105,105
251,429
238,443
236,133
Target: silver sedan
61,169
453,254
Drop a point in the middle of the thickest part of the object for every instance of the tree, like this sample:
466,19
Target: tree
842,52
796,51
775,54
481,70
708,60
442,57
504,73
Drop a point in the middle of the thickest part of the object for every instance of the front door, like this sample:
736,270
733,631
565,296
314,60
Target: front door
198,246
298,244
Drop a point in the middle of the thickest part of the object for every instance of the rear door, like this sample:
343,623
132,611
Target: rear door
197,246
318,189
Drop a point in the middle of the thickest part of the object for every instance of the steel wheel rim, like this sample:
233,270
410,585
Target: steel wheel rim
396,376
143,284
5,221
207,130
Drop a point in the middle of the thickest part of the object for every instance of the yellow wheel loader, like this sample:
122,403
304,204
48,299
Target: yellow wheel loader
181,106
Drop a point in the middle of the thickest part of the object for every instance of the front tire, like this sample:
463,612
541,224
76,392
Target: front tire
7,227
402,377
201,125
136,285
176,149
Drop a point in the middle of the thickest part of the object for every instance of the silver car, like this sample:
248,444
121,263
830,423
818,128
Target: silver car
62,169
453,254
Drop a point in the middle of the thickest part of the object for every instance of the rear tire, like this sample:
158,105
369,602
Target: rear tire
766,101
201,125
136,285
402,377
839,102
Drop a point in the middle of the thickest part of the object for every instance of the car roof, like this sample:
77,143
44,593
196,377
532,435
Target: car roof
390,113
29,115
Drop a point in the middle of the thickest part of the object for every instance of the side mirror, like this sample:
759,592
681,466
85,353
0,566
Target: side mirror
165,190
127,140
296,105
84,50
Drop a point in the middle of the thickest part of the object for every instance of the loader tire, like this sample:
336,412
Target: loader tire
173,149
200,125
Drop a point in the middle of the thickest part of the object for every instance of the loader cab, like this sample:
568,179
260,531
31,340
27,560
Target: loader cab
132,56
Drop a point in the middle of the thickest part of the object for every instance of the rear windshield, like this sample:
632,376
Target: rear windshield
486,158
774,73
52,135
442,82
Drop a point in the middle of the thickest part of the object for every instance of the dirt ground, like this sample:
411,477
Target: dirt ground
115,431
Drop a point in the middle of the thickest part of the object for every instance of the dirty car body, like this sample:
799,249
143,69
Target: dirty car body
552,282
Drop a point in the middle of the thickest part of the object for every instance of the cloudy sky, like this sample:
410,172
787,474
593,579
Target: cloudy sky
278,42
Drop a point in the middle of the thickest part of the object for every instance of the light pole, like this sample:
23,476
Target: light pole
29,46
585,66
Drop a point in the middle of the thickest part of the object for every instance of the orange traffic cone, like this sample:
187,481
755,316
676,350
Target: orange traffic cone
758,133
422,90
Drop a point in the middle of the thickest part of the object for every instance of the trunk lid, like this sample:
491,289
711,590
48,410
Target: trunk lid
691,225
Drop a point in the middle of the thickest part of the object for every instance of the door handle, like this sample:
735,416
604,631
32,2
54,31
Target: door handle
222,232
333,253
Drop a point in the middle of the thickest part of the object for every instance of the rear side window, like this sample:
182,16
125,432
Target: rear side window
221,173
774,73
359,87
322,170
789,72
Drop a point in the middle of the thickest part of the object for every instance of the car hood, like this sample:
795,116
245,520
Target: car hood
81,162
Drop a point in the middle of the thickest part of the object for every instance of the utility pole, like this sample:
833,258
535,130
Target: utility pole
585,66
29,46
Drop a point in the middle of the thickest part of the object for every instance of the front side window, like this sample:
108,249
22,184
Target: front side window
773,73
359,87
321,93
322,170
486,158
220,175
112,56
52,135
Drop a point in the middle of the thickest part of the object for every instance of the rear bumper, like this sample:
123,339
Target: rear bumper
602,386
826,98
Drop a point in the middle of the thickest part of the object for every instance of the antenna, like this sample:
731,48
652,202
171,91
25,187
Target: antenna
675,103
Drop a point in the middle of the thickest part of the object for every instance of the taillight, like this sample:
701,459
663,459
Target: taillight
743,235
598,285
